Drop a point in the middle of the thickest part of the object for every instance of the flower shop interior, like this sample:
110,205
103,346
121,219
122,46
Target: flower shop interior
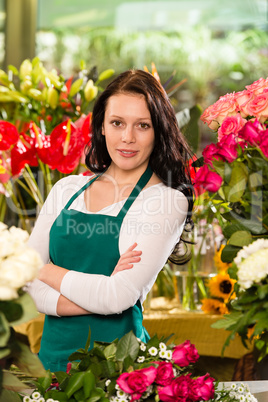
56,57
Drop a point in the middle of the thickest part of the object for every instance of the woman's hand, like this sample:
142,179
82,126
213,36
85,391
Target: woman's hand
127,259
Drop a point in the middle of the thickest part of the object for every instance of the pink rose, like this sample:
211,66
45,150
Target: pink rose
227,148
231,125
264,143
164,374
206,180
178,390
203,388
252,132
258,86
241,100
225,106
258,107
185,354
209,153
137,382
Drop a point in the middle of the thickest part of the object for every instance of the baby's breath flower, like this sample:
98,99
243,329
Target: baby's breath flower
152,351
142,347
140,359
162,345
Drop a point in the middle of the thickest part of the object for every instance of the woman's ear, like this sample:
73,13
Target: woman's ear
102,130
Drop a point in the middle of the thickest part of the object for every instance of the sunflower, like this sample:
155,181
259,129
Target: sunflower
219,264
222,286
214,306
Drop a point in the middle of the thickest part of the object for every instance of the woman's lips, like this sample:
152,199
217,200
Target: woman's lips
127,153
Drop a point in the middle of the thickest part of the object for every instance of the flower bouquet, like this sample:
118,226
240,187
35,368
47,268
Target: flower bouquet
44,126
19,264
248,314
130,370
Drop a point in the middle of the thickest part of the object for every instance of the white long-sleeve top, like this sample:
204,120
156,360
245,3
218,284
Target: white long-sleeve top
154,221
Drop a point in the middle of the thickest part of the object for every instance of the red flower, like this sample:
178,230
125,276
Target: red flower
203,388
5,162
9,135
177,391
23,152
206,180
185,354
164,374
67,145
137,382
227,148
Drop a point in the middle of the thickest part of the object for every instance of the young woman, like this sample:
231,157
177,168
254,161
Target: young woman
104,240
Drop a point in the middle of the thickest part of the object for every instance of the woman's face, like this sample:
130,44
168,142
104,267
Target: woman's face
128,131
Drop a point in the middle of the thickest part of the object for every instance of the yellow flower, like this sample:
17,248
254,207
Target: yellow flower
222,286
219,264
214,306
2,169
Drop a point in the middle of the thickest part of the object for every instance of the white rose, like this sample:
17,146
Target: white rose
19,235
2,226
7,293
7,246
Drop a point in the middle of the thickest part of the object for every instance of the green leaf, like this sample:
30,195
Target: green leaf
9,396
104,75
12,383
229,229
4,331
88,340
127,345
29,309
229,253
240,238
191,129
108,368
75,382
13,69
89,383
110,351
29,362
227,320
12,310
262,291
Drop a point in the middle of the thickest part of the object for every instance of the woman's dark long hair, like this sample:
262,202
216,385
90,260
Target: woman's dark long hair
171,154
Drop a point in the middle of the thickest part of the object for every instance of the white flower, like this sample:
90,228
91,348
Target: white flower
25,398
122,396
162,345
36,395
7,293
117,386
162,353
152,351
168,354
233,386
241,398
143,347
107,382
140,359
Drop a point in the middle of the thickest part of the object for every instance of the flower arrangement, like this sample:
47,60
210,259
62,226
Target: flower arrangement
248,314
235,169
44,126
19,264
130,370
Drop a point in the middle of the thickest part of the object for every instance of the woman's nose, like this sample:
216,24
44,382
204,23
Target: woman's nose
128,135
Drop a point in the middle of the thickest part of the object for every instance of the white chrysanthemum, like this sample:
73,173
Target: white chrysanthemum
112,398
162,345
121,394
117,386
162,353
168,354
25,398
142,347
36,395
233,386
42,400
51,400
140,359
107,382
153,351
242,398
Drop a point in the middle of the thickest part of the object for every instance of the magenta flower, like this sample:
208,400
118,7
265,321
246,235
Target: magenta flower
252,132
137,382
185,354
177,391
203,388
227,148
206,180
164,374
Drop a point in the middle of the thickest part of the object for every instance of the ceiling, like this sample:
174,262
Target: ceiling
153,15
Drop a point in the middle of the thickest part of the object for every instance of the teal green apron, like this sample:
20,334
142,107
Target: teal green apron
88,243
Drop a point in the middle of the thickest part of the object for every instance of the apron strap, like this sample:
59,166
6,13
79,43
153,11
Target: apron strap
71,200
145,177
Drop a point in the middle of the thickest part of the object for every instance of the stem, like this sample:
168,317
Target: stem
3,207
31,182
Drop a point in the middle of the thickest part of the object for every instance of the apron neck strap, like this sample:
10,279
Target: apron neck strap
71,200
145,177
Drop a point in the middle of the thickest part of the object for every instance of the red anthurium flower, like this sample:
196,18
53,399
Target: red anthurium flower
5,164
84,124
9,135
23,152
41,143
67,145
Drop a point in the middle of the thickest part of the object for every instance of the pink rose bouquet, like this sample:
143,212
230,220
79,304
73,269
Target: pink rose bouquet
234,169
